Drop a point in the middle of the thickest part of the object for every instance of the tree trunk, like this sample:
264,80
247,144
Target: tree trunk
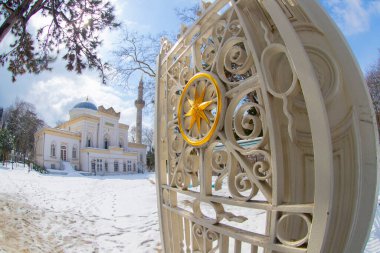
11,20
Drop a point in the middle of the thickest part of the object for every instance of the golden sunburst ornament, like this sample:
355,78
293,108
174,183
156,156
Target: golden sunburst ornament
199,109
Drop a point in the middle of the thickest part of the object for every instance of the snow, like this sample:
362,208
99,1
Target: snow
55,213
76,213
68,170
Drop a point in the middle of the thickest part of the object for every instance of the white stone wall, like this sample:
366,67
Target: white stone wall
88,157
109,126
39,148
59,141
141,154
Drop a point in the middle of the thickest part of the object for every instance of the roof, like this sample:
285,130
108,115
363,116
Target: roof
110,111
86,105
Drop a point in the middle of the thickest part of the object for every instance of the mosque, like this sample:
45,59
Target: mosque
93,140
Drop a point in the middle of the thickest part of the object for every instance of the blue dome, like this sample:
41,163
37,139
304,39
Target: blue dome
86,105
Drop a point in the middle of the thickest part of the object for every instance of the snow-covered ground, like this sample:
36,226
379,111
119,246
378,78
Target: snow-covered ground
74,213
43,213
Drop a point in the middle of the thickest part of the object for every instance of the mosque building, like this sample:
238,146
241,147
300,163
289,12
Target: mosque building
92,140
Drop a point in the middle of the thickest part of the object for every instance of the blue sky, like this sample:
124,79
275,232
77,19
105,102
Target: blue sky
54,93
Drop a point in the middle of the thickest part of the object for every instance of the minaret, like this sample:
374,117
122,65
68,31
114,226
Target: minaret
139,103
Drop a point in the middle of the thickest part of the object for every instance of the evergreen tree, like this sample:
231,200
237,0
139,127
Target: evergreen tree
150,159
22,123
6,143
73,26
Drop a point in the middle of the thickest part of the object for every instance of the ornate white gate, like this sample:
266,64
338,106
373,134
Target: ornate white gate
265,134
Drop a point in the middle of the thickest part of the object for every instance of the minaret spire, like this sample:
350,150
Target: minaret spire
139,103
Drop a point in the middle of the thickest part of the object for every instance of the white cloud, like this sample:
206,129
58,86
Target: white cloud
353,16
54,98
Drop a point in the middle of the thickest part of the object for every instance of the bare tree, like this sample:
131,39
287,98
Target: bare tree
74,26
147,137
373,81
188,15
132,134
136,55
59,123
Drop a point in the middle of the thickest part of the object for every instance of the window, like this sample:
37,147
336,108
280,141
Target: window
106,141
52,150
93,165
89,140
63,153
121,143
106,166
141,158
74,155
99,165
116,166
134,167
52,166
129,165
124,167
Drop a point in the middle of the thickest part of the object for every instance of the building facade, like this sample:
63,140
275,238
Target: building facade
93,140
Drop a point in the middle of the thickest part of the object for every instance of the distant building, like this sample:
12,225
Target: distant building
93,140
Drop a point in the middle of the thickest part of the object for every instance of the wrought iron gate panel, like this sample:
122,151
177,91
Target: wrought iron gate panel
261,115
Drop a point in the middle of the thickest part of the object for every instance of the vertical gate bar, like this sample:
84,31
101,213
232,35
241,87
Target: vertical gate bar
319,124
181,233
166,241
237,246
254,248
273,129
160,163
205,176
224,243
273,226
274,136
187,234
176,222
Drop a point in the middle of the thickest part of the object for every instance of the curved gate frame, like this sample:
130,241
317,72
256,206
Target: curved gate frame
339,144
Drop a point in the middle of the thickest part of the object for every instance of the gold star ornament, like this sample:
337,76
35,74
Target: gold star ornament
199,109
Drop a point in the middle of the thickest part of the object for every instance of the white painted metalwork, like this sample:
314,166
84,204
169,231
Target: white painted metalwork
263,117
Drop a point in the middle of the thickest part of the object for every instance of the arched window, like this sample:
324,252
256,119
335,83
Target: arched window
121,143
106,141
52,150
63,153
89,140
74,154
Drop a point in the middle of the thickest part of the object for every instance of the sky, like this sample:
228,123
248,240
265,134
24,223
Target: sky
55,93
